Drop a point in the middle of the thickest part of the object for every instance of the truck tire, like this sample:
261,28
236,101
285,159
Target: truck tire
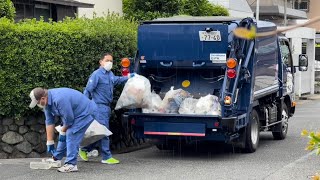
252,133
283,126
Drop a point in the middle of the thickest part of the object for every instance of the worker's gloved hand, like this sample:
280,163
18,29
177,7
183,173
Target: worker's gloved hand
62,136
50,147
130,75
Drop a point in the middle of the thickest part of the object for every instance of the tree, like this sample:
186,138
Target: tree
203,8
151,9
7,9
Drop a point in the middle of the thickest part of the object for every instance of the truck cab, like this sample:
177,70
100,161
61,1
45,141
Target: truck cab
253,79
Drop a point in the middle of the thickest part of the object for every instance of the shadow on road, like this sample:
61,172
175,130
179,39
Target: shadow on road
213,150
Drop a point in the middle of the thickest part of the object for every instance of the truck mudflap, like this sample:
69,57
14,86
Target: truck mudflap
148,125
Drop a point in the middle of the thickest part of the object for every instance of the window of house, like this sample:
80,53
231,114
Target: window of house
303,5
42,10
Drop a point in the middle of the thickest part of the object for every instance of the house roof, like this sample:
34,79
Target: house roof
68,3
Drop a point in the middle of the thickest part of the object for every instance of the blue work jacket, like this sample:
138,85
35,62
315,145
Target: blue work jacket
100,86
72,106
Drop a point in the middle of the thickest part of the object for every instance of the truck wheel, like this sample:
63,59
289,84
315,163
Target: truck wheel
252,132
283,126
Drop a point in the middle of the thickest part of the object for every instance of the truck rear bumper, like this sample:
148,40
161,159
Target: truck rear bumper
177,125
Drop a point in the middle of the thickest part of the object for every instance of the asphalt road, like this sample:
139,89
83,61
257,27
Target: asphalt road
276,160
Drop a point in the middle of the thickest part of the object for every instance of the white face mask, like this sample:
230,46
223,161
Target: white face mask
108,66
40,106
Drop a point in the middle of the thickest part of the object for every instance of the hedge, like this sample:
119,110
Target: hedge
56,54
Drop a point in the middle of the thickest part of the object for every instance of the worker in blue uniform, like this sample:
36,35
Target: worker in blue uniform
99,88
75,110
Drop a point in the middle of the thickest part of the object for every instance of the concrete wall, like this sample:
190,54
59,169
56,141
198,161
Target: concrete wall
101,7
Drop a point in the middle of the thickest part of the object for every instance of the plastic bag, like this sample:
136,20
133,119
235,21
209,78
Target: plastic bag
173,99
155,105
208,105
95,132
136,93
188,106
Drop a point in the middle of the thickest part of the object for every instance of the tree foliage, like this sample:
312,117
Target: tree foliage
150,9
7,9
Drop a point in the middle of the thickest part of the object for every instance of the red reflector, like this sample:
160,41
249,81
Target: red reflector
125,71
231,73
216,124
133,121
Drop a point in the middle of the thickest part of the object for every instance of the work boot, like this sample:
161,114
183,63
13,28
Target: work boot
110,161
83,155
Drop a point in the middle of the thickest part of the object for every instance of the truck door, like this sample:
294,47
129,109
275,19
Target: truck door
287,67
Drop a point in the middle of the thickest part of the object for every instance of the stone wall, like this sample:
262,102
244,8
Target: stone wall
22,138
26,137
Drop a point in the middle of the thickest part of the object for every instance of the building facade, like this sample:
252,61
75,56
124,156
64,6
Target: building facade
274,10
48,9
101,8
237,8
313,11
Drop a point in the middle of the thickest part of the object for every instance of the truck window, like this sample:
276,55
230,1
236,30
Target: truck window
285,54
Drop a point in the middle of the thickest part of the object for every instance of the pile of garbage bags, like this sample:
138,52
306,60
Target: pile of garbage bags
137,94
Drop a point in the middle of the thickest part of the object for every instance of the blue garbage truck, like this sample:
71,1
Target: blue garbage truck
253,78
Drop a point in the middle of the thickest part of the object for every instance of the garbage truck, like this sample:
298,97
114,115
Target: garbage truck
253,78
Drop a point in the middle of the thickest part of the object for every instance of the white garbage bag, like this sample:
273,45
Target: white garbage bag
173,99
136,93
208,105
155,105
188,106
94,133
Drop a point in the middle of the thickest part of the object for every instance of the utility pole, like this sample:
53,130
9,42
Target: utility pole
285,13
257,10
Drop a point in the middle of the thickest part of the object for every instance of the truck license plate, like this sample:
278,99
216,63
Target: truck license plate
210,36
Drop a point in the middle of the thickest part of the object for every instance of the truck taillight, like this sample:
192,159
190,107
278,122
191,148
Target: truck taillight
231,64
125,63
231,73
125,71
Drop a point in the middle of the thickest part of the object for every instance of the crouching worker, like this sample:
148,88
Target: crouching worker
75,111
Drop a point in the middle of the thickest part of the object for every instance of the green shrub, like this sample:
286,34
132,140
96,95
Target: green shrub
151,9
64,54
7,9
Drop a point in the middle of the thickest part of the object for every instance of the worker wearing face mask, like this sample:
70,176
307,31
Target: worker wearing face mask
75,111
99,88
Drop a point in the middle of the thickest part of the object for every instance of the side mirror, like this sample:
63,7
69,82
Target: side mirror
303,62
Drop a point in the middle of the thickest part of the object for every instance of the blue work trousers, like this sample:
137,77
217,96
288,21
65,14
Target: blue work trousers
73,143
102,116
